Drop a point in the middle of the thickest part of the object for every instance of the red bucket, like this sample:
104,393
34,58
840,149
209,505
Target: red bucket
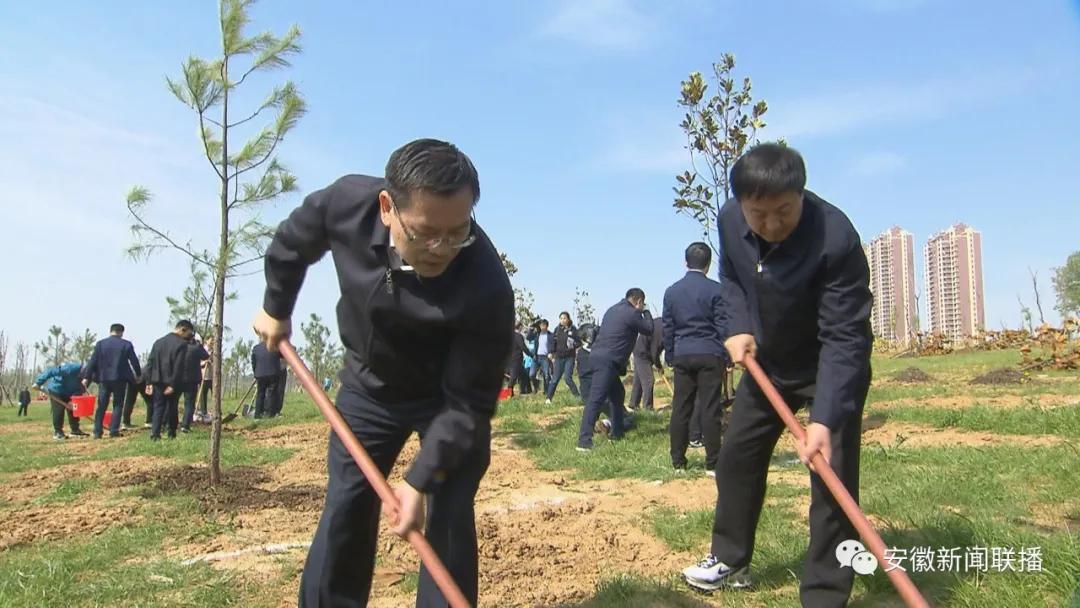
505,394
84,405
107,420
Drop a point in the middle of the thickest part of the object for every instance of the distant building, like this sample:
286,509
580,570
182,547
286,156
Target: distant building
954,282
892,280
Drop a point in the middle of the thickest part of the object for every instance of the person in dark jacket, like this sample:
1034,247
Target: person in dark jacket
166,374
515,369
543,347
113,365
796,289
266,367
694,331
24,402
194,357
586,336
647,355
565,347
427,320
61,383
608,361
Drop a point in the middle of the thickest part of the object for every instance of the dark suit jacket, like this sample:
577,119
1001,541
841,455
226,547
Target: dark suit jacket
694,313
651,347
265,364
113,360
193,358
165,365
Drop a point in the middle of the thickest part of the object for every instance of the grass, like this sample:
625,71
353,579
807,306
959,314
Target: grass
67,491
121,567
638,592
192,447
1063,421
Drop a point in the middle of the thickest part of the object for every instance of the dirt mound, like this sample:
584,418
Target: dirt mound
1004,375
239,489
913,375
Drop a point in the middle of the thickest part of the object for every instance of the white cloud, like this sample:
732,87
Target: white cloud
878,163
844,108
605,24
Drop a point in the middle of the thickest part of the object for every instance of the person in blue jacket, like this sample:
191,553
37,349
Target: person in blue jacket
619,330
113,365
61,383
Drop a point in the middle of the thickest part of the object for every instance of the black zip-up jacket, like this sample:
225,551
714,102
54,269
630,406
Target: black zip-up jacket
565,342
807,302
619,330
406,338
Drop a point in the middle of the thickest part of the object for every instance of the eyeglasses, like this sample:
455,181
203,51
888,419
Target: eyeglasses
451,241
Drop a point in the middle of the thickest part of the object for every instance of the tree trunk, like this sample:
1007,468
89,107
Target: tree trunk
219,284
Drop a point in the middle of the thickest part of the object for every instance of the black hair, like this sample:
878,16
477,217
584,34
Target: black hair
543,322
698,256
185,324
768,169
116,328
635,293
565,313
432,166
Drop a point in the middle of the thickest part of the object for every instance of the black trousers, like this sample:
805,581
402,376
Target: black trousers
115,390
740,479
282,388
23,408
191,395
166,411
265,396
207,385
641,393
58,411
520,378
341,560
699,383
134,391
606,391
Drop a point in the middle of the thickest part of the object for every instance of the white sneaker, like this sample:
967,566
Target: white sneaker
711,473
547,402
711,574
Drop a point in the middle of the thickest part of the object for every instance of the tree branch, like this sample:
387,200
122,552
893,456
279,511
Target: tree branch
165,237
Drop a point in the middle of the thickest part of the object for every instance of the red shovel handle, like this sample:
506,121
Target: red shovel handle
367,466
908,592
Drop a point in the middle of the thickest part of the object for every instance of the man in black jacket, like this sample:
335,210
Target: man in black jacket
694,332
165,372
266,367
796,289
618,332
427,320
516,366
565,350
194,357
113,365
24,402
647,353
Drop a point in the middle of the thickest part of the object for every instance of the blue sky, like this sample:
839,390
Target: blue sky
909,112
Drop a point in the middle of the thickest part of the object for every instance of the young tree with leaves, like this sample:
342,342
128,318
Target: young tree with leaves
55,348
248,175
1067,286
718,129
319,350
583,308
83,346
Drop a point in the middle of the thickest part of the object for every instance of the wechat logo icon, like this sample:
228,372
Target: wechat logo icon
852,554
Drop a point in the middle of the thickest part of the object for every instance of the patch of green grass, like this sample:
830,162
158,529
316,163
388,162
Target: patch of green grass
17,456
194,447
1063,421
638,592
680,530
643,453
67,491
409,582
121,567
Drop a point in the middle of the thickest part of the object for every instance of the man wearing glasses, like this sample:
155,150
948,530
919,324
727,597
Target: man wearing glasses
426,316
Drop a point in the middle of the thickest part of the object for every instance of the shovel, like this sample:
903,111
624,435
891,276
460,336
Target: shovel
232,416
